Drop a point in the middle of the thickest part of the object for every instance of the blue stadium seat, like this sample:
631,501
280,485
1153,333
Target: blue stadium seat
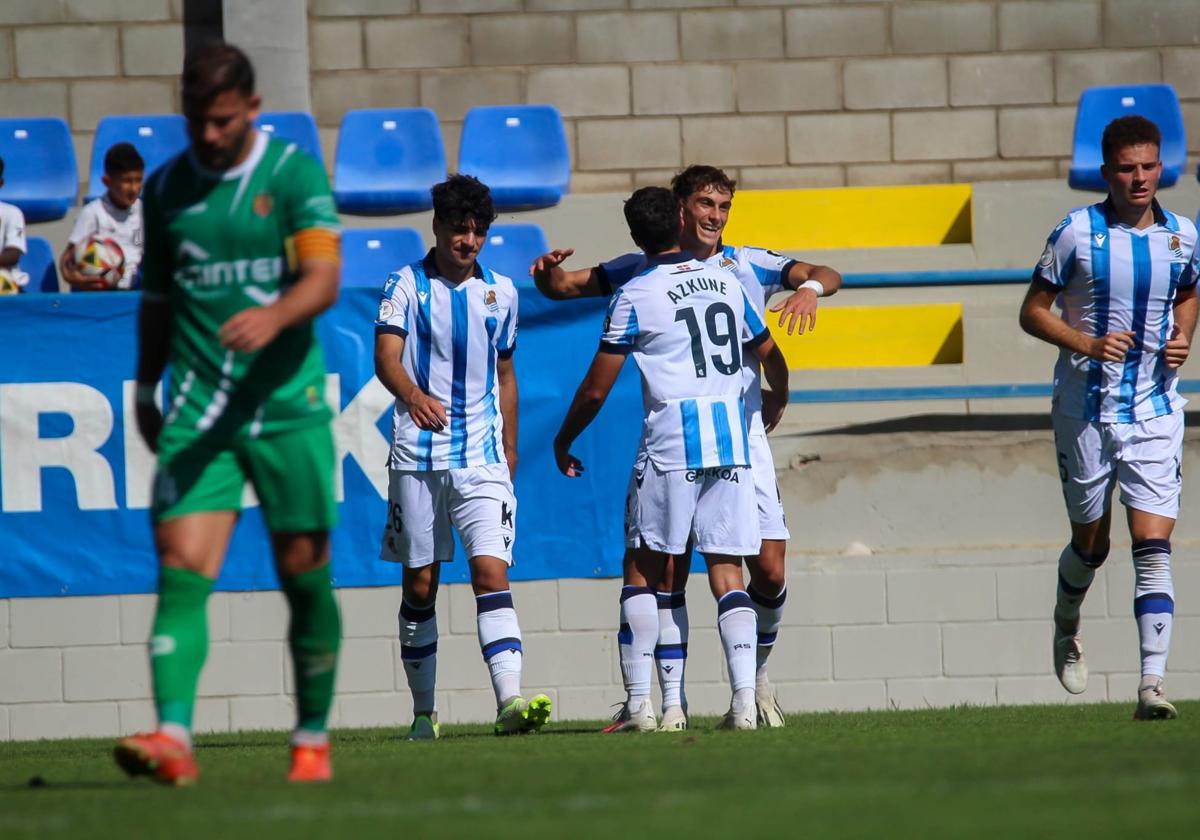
1099,106
297,127
157,137
369,255
39,167
511,249
38,263
520,151
386,161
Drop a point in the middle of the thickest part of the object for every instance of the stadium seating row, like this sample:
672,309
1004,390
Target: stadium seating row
386,159
368,255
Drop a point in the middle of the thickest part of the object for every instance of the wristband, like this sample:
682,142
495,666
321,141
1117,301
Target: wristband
815,285
144,393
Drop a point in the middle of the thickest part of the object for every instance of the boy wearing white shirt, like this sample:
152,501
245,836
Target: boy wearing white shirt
12,245
116,215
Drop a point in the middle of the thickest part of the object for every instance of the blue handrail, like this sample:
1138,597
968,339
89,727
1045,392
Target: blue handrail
964,277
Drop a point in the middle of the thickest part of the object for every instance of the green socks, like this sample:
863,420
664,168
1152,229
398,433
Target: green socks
315,634
179,643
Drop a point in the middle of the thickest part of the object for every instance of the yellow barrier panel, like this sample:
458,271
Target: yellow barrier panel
851,217
876,336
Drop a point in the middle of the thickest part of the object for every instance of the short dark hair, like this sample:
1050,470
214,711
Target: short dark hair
212,70
121,158
698,177
462,197
653,217
1128,131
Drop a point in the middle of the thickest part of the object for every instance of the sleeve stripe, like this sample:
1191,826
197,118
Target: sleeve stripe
758,339
390,329
616,349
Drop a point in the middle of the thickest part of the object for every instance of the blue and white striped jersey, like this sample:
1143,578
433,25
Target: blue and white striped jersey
1115,278
761,274
685,323
453,336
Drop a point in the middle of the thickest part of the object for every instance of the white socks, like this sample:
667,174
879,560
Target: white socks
636,638
500,642
737,625
670,655
1153,603
418,652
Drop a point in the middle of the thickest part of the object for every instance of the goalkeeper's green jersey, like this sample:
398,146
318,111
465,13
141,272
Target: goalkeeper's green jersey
221,242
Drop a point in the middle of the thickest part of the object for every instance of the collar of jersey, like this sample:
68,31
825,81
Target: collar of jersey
431,269
672,258
115,211
251,161
1110,213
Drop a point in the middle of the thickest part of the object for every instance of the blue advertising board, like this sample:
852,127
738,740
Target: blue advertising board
75,476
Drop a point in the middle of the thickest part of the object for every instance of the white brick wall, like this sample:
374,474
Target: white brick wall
899,631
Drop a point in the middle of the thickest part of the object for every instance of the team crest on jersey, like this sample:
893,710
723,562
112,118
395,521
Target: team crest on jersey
1173,244
1047,256
263,205
386,310
489,300
727,263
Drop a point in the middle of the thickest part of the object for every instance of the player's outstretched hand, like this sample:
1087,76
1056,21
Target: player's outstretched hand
568,464
1177,348
250,330
773,405
798,310
551,260
426,412
149,423
1112,347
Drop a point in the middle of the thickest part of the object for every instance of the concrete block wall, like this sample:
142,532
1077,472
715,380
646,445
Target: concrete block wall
890,631
84,59
819,93
921,572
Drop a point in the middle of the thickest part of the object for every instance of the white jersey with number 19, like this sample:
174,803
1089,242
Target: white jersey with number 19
685,323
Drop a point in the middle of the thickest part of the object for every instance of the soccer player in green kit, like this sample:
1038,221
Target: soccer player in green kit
241,256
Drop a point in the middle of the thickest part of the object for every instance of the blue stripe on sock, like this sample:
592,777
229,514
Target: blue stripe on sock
625,635
737,599
500,645
409,653
493,601
1153,603
767,639
1148,547
1073,591
628,592
670,600
670,651
763,601
410,613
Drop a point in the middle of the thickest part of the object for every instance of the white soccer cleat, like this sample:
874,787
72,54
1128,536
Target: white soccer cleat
638,719
674,719
1069,663
741,718
1153,705
770,715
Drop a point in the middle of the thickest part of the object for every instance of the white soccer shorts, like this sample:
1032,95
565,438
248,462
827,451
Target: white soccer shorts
423,507
771,521
1143,458
717,506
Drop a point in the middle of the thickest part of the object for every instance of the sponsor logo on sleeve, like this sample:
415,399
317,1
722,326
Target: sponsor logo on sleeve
386,310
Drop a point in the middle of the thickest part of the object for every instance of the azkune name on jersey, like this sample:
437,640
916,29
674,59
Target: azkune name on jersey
696,284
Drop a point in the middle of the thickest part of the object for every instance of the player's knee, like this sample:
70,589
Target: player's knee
1093,555
420,586
488,574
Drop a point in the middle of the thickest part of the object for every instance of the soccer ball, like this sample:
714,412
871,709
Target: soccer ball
103,259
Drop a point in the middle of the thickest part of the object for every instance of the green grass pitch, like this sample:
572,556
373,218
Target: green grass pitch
1038,771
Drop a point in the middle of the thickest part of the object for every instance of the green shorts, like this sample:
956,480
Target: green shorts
291,473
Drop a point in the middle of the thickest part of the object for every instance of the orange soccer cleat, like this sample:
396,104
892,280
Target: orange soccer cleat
310,764
158,756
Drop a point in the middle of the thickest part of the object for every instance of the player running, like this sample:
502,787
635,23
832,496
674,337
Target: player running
241,255
705,196
1124,272
444,343
686,323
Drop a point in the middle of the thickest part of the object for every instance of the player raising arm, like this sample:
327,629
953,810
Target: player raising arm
705,198
231,310
1124,272
686,324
